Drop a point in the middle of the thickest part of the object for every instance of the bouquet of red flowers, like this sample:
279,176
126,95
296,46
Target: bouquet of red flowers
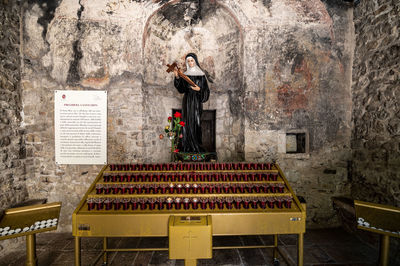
173,131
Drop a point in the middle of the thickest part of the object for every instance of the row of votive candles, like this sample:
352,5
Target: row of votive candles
187,203
164,188
190,166
160,177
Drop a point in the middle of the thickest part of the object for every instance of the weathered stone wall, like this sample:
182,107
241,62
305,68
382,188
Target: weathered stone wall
376,94
273,66
12,148
298,75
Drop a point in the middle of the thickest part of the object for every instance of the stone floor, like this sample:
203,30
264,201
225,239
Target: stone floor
321,247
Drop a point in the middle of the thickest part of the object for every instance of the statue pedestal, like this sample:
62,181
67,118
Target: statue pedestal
196,157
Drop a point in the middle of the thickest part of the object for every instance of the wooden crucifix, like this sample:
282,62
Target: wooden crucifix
173,66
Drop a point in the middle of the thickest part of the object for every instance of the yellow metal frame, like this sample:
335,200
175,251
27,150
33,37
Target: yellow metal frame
25,216
383,218
155,223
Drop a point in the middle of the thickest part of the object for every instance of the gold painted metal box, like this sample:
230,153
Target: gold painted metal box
190,237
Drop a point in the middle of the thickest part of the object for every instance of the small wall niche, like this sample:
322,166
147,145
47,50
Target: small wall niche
297,142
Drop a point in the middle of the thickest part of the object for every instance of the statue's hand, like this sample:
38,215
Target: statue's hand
176,73
197,88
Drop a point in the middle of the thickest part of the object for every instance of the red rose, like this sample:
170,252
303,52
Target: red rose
182,123
169,118
177,115
177,150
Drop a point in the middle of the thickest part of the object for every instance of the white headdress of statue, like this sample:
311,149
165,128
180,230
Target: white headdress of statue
195,70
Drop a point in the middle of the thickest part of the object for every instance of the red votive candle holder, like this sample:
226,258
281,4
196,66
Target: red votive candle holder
123,189
254,202
220,202
279,202
249,187
117,204
257,187
226,187
160,202
150,177
151,202
288,202
171,188
270,203
134,203
147,188
115,189
99,188
125,203
163,188
107,189
234,188
238,200
281,188
169,202
263,202
265,187
195,203
139,188
194,177
99,203
143,204
242,187
130,188
187,188
195,188
211,204
203,202
203,188
179,188
155,188
246,202
108,204
186,203
90,204
272,188
229,201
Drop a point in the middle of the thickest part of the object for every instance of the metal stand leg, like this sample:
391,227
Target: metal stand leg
31,259
105,255
384,252
300,246
275,247
77,251
190,262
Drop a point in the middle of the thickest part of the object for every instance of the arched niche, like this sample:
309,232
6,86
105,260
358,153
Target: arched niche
207,29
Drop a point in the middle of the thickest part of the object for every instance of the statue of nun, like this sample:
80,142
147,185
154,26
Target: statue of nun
192,104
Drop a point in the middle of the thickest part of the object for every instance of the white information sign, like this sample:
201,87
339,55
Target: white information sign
80,127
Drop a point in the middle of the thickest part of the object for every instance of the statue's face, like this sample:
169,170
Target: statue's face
191,62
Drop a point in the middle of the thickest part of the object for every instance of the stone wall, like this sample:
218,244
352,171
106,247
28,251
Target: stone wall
273,67
12,147
376,94
302,62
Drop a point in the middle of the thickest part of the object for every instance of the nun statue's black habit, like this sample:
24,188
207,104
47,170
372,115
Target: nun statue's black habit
192,104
